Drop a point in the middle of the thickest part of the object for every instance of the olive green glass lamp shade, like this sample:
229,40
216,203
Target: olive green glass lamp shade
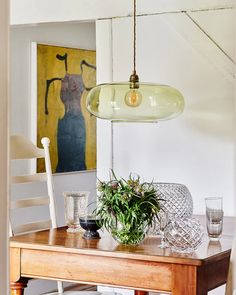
143,102
134,101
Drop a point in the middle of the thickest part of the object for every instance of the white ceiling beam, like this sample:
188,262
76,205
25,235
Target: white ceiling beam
185,25
34,11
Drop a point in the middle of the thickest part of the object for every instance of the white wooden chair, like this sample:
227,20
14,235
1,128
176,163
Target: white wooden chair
22,149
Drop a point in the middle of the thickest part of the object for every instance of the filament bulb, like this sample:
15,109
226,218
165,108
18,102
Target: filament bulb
133,98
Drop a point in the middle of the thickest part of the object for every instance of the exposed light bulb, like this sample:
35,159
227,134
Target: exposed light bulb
133,98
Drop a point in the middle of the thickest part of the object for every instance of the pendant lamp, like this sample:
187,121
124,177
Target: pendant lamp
133,100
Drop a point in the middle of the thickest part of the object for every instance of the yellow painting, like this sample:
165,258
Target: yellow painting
64,77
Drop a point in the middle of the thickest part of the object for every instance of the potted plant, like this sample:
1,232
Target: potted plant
127,207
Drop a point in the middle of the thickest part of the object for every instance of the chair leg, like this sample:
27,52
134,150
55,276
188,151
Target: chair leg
60,287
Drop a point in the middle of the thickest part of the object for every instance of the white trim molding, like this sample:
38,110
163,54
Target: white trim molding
104,74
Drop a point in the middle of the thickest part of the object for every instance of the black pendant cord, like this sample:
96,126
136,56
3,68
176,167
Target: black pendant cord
134,79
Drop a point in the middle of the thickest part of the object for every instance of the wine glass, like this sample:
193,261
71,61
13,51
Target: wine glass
163,218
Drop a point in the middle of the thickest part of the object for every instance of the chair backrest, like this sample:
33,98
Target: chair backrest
22,149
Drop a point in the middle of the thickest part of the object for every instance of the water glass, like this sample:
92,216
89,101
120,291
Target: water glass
75,206
214,217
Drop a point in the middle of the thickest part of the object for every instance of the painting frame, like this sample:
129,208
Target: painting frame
76,75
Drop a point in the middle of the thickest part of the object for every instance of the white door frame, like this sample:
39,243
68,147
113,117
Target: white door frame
4,170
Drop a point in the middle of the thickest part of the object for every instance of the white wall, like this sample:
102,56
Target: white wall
197,148
76,35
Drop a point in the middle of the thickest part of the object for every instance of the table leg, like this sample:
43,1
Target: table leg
138,292
17,288
186,281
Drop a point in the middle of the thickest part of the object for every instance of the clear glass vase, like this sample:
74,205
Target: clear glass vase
75,206
129,234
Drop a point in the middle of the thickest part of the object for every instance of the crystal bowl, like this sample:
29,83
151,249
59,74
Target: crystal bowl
175,199
184,235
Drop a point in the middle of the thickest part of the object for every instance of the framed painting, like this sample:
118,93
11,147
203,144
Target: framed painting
64,77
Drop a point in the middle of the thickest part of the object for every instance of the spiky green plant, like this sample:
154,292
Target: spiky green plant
125,207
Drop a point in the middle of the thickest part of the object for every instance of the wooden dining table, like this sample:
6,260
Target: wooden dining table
55,254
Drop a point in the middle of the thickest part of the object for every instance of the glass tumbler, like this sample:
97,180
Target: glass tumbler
214,217
75,206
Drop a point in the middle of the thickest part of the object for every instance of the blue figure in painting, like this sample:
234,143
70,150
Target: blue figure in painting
71,131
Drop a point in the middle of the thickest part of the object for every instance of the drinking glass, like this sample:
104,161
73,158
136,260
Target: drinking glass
75,206
214,217
163,219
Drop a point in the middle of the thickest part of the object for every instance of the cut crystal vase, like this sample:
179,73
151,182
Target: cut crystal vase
175,199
